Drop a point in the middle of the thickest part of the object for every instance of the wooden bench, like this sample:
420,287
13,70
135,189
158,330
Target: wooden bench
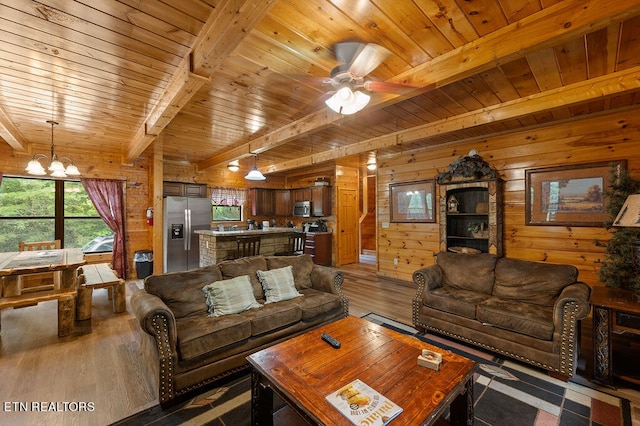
98,275
66,306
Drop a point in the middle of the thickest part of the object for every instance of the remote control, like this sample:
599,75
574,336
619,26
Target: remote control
330,340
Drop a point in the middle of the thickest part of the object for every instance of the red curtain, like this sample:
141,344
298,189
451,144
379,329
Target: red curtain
108,198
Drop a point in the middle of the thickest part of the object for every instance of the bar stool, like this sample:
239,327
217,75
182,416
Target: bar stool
295,245
248,246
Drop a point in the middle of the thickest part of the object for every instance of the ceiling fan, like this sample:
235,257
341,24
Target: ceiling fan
350,79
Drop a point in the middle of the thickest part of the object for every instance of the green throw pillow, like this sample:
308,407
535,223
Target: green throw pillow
278,284
230,296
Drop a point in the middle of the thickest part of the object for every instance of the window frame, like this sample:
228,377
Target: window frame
59,213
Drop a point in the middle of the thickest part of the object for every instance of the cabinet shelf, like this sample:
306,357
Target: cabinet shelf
460,237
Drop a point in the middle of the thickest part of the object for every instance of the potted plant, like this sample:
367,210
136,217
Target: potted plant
477,229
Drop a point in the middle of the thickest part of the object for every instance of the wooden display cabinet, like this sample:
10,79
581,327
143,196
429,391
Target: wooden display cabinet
468,205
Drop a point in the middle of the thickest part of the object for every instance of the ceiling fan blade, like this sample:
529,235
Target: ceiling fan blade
368,59
345,52
382,86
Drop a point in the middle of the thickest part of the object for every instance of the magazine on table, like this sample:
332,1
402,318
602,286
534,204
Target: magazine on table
362,405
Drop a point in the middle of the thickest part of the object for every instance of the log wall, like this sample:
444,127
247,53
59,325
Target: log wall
607,137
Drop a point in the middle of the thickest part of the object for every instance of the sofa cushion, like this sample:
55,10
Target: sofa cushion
317,304
302,266
473,272
454,301
245,266
230,296
534,282
524,318
198,335
278,284
182,291
273,317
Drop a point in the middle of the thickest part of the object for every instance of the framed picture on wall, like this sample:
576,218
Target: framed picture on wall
569,195
412,201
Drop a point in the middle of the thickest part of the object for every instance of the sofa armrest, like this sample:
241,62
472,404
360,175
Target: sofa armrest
157,320
427,278
578,294
329,280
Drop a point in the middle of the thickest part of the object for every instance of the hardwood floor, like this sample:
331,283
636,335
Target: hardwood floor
103,368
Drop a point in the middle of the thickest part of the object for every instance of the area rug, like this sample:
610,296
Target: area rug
506,393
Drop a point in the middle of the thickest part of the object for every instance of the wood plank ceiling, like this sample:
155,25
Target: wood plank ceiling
215,81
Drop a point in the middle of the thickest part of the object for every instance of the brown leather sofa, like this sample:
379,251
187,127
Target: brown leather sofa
184,348
521,309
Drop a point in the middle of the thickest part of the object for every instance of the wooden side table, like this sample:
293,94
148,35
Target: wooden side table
616,311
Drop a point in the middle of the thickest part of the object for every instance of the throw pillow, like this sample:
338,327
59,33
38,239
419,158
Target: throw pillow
278,284
230,296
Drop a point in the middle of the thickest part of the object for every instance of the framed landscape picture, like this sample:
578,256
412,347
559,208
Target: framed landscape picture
412,201
569,195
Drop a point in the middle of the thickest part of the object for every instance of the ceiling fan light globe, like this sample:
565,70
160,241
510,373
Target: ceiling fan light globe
346,102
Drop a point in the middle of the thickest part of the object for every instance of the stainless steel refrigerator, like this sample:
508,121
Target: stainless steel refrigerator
183,216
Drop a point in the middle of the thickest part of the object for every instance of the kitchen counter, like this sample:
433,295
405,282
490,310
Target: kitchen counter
235,233
216,246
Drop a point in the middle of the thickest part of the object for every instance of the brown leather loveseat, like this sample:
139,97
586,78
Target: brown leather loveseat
522,309
184,347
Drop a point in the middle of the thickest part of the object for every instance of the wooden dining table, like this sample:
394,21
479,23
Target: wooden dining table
19,263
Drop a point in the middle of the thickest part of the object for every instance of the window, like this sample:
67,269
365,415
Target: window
226,204
44,210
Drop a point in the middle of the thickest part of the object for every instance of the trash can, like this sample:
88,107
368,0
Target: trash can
144,263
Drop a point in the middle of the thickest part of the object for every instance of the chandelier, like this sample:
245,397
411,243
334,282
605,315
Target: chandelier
57,169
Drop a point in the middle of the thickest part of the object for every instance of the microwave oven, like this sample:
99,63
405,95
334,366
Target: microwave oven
302,209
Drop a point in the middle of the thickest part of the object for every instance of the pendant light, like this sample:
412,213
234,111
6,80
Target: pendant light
255,174
56,167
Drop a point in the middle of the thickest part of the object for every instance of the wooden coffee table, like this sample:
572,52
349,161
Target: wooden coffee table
304,369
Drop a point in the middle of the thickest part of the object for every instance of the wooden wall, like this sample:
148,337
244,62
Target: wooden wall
368,222
607,137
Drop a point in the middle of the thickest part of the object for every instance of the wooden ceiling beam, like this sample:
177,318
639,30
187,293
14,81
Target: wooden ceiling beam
230,22
597,88
10,133
551,26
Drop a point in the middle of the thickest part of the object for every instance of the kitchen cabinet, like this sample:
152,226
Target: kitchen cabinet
283,205
471,216
301,194
262,202
318,246
320,201
182,189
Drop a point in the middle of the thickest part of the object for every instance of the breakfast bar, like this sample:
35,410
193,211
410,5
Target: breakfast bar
216,246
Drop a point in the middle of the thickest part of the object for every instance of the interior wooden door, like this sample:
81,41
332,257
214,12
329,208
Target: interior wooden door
347,222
